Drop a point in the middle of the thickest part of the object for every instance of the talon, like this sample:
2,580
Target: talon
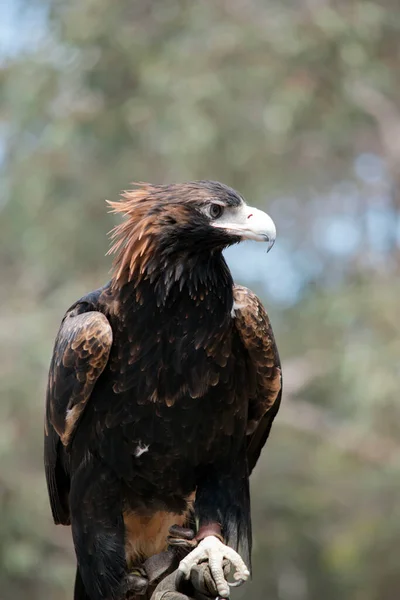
215,551
237,583
135,582
136,572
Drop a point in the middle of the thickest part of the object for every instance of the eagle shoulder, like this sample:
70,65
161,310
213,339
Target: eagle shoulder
80,355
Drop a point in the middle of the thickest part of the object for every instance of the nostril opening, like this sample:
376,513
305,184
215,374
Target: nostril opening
250,215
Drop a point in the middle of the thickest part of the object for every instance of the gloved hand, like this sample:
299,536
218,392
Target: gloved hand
200,586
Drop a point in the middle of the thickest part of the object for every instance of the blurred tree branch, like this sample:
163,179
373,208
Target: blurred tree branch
387,117
302,415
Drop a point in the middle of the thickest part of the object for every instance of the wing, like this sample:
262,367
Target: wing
80,354
265,381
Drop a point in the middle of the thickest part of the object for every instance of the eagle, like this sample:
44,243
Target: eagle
162,389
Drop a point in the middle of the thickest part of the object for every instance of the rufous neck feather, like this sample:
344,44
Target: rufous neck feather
133,240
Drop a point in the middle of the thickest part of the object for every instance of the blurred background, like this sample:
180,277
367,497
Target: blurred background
297,105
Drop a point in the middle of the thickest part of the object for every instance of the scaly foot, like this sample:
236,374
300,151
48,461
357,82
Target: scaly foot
215,551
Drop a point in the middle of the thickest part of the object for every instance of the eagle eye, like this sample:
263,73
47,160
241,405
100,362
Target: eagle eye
216,210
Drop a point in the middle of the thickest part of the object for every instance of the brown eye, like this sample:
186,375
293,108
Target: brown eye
216,210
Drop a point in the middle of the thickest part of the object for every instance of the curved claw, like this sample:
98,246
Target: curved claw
215,551
135,583
237,583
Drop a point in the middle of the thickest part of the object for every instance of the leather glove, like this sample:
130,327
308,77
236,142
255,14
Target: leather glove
200,586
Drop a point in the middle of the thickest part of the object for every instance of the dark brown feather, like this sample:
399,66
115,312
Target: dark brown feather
80,354
265,385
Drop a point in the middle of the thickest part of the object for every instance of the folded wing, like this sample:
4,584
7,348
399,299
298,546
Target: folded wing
80,354
264,368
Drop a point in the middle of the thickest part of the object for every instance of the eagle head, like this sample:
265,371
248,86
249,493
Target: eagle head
166,224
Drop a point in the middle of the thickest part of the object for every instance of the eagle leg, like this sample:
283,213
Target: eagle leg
212,549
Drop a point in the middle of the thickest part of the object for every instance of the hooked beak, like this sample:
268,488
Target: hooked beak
250,224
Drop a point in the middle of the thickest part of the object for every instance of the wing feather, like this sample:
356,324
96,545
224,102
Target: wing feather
265,378
81,352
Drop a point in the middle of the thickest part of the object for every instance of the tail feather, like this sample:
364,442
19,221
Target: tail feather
79,589
236,524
